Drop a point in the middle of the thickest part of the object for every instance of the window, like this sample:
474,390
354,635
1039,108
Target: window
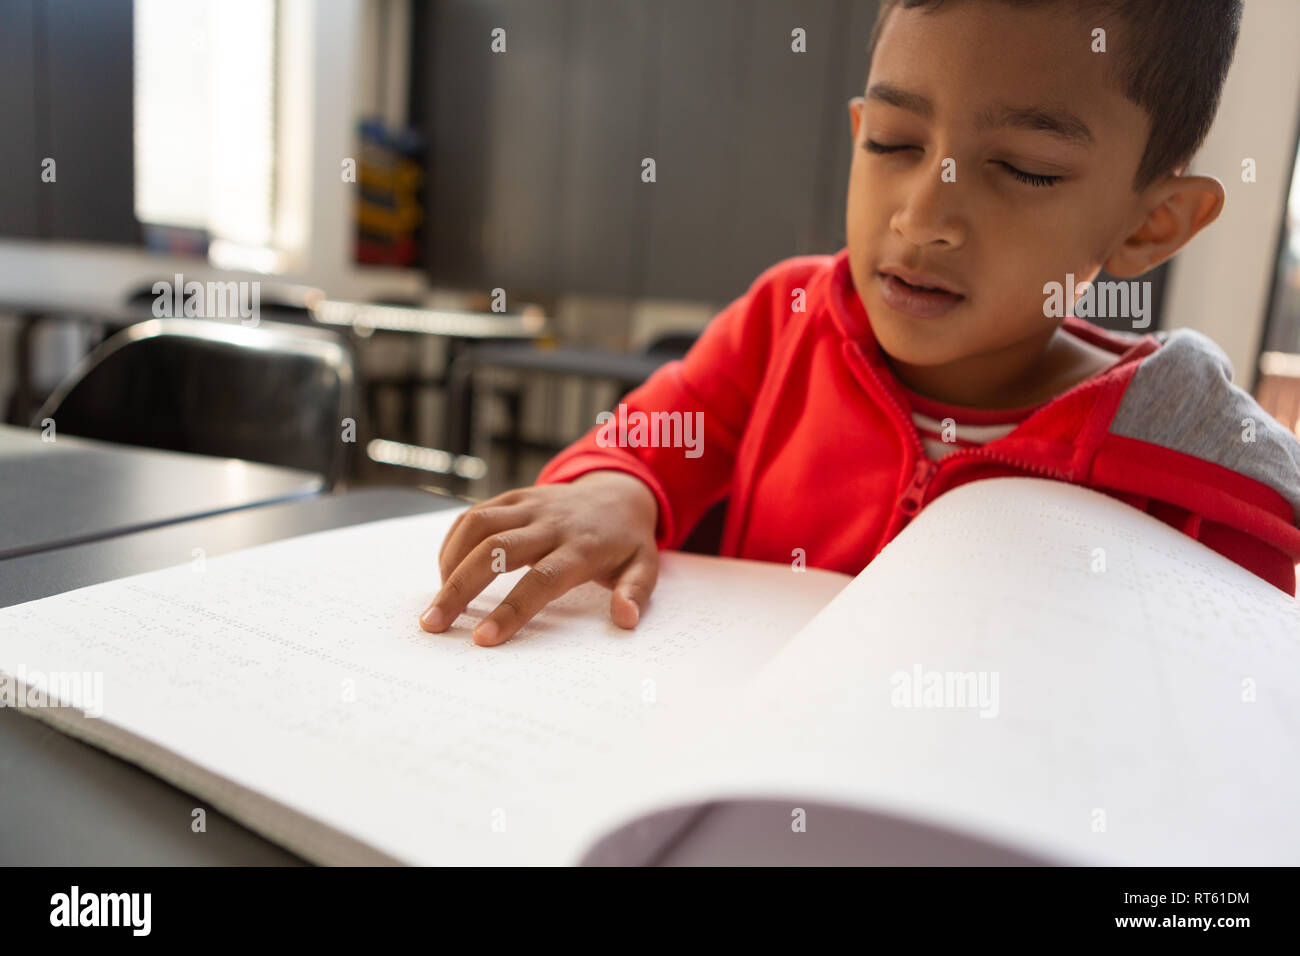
1279,365
205,118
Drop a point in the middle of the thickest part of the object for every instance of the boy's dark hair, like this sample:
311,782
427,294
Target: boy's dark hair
1174,60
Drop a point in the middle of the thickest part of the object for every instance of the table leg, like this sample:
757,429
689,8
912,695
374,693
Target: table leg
22,405
458,415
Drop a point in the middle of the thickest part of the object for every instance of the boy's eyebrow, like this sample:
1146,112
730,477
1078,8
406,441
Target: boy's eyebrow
904,100
1060,123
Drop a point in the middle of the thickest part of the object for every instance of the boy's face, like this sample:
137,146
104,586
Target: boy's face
1043,150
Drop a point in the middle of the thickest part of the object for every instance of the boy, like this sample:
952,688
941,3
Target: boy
1001,146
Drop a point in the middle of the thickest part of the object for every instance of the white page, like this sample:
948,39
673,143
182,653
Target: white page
232,679
1124,730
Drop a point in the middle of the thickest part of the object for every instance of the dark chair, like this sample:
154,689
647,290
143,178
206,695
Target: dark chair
674,345
706,537
270,393
625,371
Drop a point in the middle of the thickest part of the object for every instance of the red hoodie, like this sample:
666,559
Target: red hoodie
810,437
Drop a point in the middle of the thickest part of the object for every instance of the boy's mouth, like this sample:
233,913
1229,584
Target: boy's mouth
917,294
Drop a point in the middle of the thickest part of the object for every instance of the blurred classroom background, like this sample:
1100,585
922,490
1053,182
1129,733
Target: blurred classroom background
437,210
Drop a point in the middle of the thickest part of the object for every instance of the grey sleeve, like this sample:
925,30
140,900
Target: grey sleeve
1182,398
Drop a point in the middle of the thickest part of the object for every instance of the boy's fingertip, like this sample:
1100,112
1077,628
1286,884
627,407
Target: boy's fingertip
486,632
432,618
636,609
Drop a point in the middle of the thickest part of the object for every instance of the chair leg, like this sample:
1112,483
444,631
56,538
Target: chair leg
22,405
514,407
458,422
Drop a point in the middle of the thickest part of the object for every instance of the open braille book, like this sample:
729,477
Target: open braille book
1029,672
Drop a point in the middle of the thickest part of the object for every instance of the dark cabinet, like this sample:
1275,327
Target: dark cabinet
66,87
535,155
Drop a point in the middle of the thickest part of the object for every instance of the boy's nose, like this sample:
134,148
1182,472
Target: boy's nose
928,212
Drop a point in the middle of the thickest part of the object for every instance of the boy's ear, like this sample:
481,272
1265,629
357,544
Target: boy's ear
855,114
1178,207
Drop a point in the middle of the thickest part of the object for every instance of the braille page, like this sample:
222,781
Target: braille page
1035,664
291,686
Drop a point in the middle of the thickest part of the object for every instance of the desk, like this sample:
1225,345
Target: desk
458,329
64,802
625,371
74,490
29,313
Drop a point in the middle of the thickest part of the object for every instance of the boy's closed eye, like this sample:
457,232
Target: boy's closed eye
1025,176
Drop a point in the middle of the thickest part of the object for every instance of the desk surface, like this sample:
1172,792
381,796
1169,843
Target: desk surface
584,362
73,490
65,803
364,318
109,311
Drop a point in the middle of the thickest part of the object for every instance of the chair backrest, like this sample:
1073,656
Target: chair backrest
673,344
272,393
706,537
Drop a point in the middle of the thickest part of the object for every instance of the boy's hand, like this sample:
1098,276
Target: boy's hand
598,527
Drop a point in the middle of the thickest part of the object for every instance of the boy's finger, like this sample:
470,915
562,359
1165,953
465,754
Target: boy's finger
451,531
557,573
633,587
471,528
484,563
502,500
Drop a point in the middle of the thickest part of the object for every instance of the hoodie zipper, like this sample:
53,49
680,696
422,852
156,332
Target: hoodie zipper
926,468
922,475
